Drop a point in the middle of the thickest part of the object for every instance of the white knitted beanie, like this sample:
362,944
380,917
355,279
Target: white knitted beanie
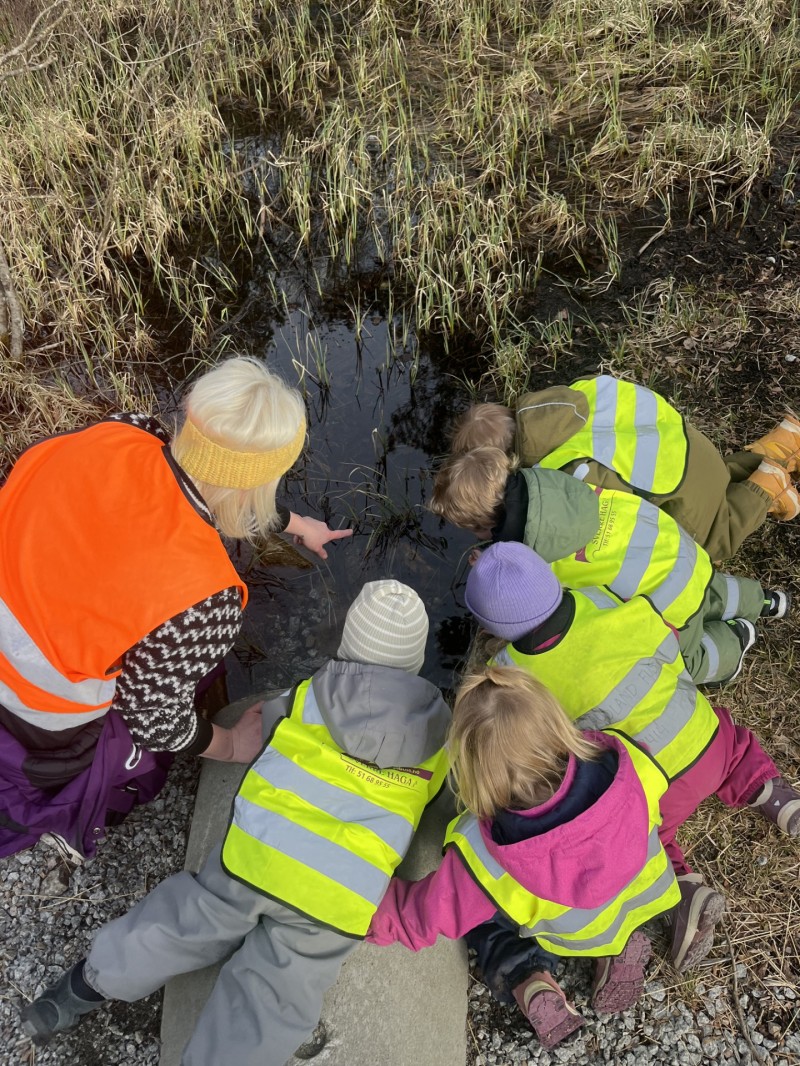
387,625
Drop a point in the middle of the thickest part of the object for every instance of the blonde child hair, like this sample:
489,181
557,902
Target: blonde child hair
244,407
469,488
509,742
484,424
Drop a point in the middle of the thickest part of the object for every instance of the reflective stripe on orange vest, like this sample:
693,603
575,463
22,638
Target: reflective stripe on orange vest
101,545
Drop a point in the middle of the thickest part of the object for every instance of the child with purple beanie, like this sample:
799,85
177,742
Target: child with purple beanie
616,666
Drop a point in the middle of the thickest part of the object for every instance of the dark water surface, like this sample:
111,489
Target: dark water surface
377,420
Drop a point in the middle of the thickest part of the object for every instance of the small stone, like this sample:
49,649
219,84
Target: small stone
55,882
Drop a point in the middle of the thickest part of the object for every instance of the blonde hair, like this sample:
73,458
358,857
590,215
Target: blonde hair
468,489
243,406
484,424
509,742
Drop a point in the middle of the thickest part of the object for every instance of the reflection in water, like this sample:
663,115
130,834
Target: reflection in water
376,423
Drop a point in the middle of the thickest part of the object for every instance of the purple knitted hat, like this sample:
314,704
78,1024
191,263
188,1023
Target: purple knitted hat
511,590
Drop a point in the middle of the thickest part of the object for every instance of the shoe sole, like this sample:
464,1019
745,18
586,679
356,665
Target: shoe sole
552,1019
784,604
698,938
623,981
752,636
751,639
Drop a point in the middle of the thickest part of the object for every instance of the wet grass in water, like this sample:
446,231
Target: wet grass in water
453,145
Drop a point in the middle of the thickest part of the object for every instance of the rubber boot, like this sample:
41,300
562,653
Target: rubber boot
781,444
61,1006
619,979
775,481
779,803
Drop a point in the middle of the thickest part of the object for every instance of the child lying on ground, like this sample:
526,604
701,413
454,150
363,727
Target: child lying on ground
542,844
319,824
593,536
615,665
618,435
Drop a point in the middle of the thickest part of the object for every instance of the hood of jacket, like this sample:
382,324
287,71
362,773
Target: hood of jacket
563,513
589,860
381,715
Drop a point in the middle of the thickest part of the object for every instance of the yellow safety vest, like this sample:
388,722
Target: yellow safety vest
620,666
564,930
320,831
639,550
631,430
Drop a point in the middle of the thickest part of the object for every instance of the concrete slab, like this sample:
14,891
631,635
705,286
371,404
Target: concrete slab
389,1005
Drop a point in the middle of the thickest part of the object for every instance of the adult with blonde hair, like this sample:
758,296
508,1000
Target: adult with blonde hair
117,596
539,851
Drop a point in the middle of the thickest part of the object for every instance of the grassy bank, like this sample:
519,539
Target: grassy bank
454,145
607,157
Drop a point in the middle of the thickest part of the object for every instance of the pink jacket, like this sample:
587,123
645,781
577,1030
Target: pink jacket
582,863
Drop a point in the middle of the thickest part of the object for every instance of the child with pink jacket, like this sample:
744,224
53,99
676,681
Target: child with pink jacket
539,849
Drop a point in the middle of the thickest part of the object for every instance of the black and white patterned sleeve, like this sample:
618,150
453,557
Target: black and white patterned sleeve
155,691
145,422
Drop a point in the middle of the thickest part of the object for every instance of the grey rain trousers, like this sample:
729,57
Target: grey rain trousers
268,995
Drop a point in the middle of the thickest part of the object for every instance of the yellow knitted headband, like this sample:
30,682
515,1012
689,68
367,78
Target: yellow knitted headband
213,463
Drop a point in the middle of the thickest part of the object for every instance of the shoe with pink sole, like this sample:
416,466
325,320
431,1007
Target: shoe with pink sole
544,1004
619,979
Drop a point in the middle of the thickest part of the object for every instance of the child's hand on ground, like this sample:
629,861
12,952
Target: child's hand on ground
474,555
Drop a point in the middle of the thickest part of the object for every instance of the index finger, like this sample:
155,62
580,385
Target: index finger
337,534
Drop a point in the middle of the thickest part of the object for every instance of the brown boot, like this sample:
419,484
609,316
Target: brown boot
781,444
775,481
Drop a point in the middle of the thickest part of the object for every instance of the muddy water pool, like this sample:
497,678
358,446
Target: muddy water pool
377,421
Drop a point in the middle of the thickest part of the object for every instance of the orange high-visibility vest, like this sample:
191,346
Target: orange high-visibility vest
100,545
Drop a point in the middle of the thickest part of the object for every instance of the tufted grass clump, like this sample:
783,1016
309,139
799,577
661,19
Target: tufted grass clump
453,144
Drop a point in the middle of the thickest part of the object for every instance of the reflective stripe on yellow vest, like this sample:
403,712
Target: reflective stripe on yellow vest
639,550
603,930
320,831
631,430
620,666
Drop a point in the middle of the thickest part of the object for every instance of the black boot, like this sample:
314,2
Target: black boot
61,1006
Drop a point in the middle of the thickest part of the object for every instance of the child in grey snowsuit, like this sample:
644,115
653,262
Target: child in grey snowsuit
322,818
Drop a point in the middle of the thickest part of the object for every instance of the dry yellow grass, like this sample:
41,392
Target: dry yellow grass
462,140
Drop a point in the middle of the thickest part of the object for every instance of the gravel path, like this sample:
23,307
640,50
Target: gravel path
48,914
663,1029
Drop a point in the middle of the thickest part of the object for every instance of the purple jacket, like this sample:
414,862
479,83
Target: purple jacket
582,863
121,776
